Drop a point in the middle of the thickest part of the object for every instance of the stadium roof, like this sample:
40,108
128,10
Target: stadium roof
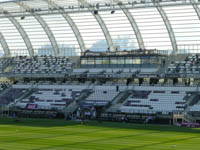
67,27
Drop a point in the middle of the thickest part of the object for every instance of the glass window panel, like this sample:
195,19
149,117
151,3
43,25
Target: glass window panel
99,61
129,60
105,61
84,61
136,60
113,60
91,61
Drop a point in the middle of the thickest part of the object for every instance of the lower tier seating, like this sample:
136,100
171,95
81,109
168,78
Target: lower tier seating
155,101
142,99
102,95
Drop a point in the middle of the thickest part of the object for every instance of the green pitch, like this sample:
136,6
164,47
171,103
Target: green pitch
34,134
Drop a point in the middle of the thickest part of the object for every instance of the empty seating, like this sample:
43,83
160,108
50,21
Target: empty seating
51,96
195,108
142,99
155,101
39,65
102,95
191,65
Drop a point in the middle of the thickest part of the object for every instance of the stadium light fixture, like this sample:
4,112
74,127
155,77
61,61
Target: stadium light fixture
22,17
112,12
96,12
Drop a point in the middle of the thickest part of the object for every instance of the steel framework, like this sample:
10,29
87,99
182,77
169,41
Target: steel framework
95,8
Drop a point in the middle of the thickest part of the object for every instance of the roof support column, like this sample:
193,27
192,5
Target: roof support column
169,28
45,27
133,24
101,23
71,23
4,45
196,8
21,31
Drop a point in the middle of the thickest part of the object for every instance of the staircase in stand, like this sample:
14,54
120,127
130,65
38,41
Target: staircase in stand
188,118
117,101
73,106
193,99
28,93
5,91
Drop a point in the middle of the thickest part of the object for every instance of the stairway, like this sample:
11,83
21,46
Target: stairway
28,93
5,91
190,101
25,95
118,101
188,118
73,106
193,99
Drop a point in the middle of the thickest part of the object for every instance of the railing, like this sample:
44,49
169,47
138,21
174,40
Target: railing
189,49
189,118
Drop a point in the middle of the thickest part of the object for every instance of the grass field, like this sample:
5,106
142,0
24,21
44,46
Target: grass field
36,134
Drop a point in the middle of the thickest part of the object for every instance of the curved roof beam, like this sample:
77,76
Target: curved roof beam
71,23
4,45
20,30
133,24
101,23
196,8
44,26
169,28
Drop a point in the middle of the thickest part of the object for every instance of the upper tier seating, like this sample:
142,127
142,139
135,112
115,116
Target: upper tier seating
40,65
191,65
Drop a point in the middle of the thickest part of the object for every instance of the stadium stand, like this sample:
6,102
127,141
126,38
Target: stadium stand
128,99
113,90
149,98
118,69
